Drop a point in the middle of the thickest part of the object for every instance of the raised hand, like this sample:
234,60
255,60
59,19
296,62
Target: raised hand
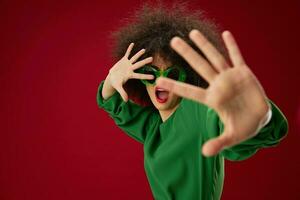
233,92
123,70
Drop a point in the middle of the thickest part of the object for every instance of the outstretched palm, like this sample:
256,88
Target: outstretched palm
233,92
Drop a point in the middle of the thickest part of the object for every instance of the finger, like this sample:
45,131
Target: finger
129,49
142,63
216,145
197,62
142,76
182,89
212,54
122,93
137,56
233,49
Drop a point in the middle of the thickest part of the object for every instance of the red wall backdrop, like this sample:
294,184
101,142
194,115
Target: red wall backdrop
56,144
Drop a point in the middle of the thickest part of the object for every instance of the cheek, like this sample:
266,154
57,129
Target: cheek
150,90
174,97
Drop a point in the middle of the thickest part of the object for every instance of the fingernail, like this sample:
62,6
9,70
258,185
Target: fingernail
226,32
175,40
194,32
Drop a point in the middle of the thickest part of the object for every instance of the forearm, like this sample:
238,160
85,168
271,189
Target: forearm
108,90
135,120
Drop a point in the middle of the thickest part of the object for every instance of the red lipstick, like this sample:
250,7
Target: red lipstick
161,95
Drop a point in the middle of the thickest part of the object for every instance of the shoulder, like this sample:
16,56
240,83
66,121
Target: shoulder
197,108
194,111
202,115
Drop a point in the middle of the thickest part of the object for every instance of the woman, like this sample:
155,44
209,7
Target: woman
186,96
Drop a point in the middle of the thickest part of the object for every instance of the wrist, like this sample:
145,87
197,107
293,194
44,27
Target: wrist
267,116
107,90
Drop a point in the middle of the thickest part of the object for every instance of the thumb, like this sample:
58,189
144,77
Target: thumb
216,145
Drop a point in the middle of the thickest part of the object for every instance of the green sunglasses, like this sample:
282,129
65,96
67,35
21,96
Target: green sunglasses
173,72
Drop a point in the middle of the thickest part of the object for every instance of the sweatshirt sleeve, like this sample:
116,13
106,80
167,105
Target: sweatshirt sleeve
269,135
135,120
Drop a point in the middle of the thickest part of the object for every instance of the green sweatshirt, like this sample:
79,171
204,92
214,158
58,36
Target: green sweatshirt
173,162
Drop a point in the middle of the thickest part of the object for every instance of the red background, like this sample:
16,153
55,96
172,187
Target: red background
56,144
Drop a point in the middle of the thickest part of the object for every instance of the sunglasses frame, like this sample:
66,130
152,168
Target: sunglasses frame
161,72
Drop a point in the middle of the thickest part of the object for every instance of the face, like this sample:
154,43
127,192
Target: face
162,99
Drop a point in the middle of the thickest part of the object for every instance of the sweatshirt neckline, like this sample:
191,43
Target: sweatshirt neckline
163,123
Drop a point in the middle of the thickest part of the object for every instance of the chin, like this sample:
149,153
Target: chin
169,105
163,107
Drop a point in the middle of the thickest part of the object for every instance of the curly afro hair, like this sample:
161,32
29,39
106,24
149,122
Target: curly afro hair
152,28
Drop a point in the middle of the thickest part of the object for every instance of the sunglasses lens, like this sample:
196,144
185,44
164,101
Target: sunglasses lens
174,74
151,72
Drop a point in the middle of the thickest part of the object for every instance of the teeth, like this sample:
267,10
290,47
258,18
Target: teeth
160,89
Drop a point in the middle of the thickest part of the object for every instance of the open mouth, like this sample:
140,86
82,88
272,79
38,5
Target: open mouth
161,95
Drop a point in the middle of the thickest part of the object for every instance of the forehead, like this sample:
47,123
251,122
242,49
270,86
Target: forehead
161,62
